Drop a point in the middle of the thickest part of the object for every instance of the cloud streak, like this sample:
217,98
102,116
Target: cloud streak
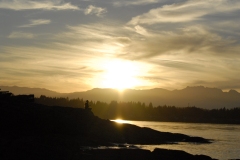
93,10
21,35
36,22
31,5
134,2
184,12
190,40
44,66
177,42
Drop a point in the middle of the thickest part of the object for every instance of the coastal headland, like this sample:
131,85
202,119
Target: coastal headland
35,131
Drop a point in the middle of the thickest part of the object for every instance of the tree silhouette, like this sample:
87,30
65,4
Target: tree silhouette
139,111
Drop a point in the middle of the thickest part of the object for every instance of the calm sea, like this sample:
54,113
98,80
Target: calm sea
226,138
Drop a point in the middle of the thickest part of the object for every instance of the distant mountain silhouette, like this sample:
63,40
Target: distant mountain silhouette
199,96
26,90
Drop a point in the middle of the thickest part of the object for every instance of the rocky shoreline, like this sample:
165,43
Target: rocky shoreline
34,131
139,154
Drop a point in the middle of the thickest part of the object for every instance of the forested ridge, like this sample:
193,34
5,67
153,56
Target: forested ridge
142,111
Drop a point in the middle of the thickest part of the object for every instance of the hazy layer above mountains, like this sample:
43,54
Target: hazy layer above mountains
199,96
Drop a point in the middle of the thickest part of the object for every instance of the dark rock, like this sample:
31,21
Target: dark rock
116,154
196,140
139,154
165,154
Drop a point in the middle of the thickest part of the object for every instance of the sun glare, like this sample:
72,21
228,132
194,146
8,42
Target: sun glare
120,75
121,121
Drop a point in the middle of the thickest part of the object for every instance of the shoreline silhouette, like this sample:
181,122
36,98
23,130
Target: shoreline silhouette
34,131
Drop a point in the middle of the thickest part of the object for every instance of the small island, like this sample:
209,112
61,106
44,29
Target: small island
35,131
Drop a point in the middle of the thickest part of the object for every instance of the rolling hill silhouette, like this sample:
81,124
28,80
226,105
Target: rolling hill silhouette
199,96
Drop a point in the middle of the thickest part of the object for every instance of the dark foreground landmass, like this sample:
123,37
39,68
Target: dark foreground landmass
33,131
139,154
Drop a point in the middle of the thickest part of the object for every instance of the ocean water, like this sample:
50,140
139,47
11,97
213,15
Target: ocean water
225,138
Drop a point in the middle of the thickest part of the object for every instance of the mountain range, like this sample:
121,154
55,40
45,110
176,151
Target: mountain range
198,96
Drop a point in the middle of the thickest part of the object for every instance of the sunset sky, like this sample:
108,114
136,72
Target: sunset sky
77,45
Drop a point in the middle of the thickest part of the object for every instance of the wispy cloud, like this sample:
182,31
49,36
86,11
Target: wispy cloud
98,11
31,5
50,68
165,50
200,27
227,84
99,39
184,12
134,2
23,35
36,22
188,40
178,42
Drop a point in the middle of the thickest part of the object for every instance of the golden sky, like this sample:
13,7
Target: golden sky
77,45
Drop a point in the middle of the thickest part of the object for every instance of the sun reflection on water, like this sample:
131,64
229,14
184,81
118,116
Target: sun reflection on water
121,121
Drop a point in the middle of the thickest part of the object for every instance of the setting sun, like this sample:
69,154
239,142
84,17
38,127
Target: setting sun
120,75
